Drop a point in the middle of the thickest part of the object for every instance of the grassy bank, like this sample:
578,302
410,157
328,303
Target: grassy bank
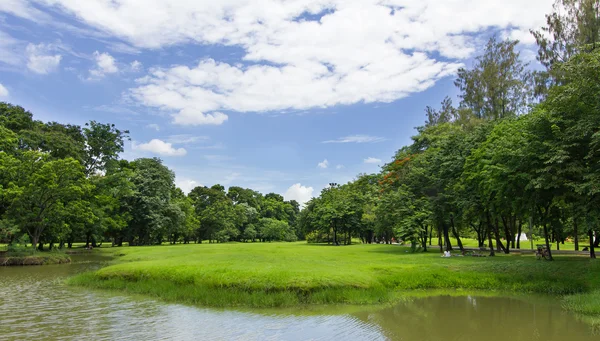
283,274
37,258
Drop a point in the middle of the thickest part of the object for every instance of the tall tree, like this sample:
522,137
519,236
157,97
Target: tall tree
498,85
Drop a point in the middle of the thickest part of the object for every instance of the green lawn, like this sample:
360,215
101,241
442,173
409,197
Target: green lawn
289,274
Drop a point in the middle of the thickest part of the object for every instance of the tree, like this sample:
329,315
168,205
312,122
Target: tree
103,143
43,192
150,201
572,27
498,85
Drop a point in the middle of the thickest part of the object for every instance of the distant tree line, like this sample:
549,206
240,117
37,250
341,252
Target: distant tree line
519,155
62,183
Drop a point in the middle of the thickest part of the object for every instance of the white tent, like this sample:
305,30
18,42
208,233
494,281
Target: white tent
522,238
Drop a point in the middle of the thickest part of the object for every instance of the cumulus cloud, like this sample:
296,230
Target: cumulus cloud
39,61
323,164
300,54
301,194
372,160
186,185
339,167
159,147
135,66
356,139
3,91
105,64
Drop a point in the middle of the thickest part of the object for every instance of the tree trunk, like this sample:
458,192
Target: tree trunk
592,251
519,231
34,242
547,241
455,233
499,244
335,241
430,234
447,237
491,244
575,230
440,243
41,246
513,227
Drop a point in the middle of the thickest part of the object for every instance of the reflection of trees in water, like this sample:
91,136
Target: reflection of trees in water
481,318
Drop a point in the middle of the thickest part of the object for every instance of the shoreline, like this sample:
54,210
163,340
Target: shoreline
288,275
35,259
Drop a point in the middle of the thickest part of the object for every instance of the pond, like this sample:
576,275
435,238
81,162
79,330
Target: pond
36,305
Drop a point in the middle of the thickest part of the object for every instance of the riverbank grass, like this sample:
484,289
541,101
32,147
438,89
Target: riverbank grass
33,258
290,274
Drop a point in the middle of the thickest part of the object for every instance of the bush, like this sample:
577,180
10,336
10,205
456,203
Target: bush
20,246
316,237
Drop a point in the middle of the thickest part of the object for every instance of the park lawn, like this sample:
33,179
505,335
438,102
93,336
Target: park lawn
290,274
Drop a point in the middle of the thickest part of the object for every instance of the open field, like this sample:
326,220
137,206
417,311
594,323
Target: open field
290,274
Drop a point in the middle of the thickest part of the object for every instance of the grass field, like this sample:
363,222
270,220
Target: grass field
291,274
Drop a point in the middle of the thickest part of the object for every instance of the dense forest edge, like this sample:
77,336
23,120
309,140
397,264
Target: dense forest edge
519,155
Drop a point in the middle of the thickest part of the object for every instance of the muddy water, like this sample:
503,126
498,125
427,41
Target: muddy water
36,305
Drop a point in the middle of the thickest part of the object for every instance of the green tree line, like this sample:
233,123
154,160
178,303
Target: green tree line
62,183
520,154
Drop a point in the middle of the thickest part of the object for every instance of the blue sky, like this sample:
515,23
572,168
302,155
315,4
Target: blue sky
279,96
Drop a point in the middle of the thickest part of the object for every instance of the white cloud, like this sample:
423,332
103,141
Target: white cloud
323,164
135,66
3,91
186,185
39,61
105,64
186,139
356,139
339,167
523,36
153,126
10,50
159,147
22,9
399,48
189,116
372,160
301,194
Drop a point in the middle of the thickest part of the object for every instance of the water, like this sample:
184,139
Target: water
36,305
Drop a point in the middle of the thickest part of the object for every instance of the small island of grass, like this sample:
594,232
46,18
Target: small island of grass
33,258
293,274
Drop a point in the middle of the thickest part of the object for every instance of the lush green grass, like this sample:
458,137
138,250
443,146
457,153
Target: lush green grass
36,258
290,274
